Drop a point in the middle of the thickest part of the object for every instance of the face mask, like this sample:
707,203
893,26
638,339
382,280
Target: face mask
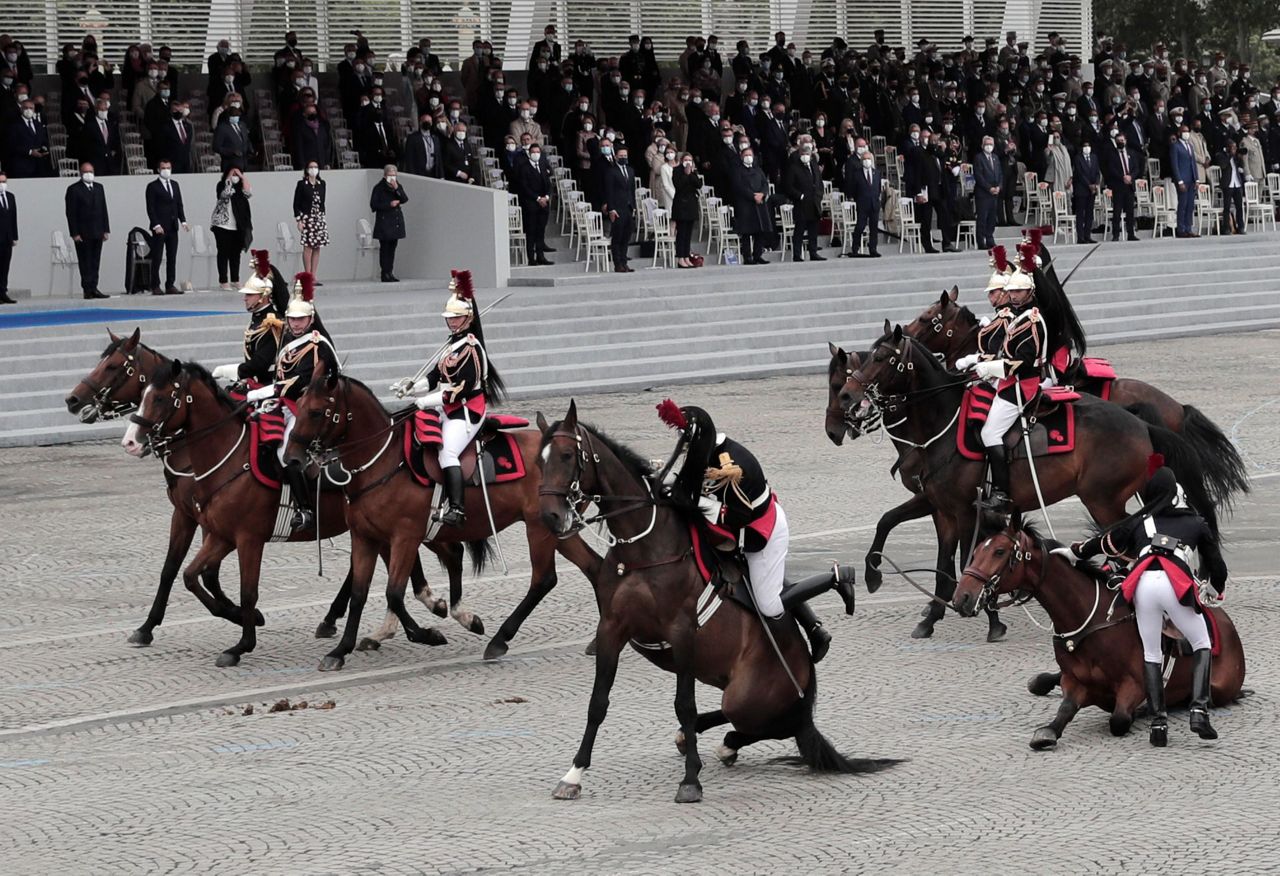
164,93
1087,150
606,151
778,76
860,150
87,177
748,160
915,136
28,114
391,181
639,101
298,83
697,100
153,74
454,115
165,173
622,159
360,68
442,127
313,172
805,159
102,114
377,80
727,140
433,102
535,156
1071,113
625,92
1120,143
915,99
235,105
715,119
688,165
524,114
928,120
980,109
868,163
229,80
460,136
988,148
377,101
588,127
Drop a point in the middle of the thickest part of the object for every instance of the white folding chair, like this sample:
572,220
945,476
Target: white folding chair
1063,222
908,227
725,237
1256,212
516,236
664,239
1208,216
201,248
366,246
286,244
598,252
62,255
787,220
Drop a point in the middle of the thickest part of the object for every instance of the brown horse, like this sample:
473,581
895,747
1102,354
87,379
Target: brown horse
342,415
1101,653
114,388
951,330
920,401
649,591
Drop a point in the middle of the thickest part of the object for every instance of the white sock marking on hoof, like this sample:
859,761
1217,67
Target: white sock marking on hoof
574,776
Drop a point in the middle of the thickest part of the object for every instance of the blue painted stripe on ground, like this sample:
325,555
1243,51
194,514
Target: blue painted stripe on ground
34,319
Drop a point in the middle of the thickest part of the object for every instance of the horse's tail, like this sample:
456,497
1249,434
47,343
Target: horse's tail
1183,458
1225,470
819,754
481,552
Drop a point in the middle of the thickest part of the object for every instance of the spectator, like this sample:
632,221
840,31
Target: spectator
27,152
311,136
751,217
309,213
684,208
457,157
988,180
388,220
145,90
586,149
157,115
76,122
173,138
532,184
547,47
802,184
100,141
352,89
232,224
1182,159
863,183
89,226
1123,166
375,135
526,125
773,142
1231,164
617,192
219,61
1250,149
424,151
1086,182
922,182
235,81
665,191
231,137
8,236
474,73
164,215
1057,163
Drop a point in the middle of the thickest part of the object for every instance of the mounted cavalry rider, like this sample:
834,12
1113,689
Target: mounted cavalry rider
266,297
303,346
1159,539
726,483
461,384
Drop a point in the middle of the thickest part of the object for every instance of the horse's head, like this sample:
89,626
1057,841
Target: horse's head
854,423
164,409
887,369
321,416
937,324
1001,563
568,464
110,388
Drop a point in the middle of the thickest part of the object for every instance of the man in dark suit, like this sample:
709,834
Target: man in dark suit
1086,182
1182,160
1123,166
533,186
28,147
172,140
802,184
922,182
457,157
376,135
164,215
988,183
89,225
862,183
231,141
618,198
424,151
8,236
547,47
773,142
100,141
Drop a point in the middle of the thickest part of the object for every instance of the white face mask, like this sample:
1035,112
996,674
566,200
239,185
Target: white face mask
235,104
535,157
868,163
727,140
988,148
1087,150
1186,135
460,136
4,188
524,114
313,171
915,136
28,114
165,173
671,156
588,127
512,147
102,114
748,160
87,176
805,159
391,181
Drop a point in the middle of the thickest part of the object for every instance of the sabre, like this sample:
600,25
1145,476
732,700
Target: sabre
1081,262
403,387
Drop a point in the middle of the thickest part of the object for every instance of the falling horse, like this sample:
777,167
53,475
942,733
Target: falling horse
653,594
921,404
1101,654
384,509
114,388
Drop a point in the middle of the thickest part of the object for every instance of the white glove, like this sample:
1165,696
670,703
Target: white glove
227,372
710,509
1048,383
262,392
990,370
964,363
1065,552
431,400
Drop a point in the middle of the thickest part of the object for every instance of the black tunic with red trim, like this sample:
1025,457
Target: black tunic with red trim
747,505
261,346
1016,335
462,371
1133,541
296,361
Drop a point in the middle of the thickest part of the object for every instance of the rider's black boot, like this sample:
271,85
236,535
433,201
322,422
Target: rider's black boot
998,465
819,638
840,579
304,515
1154,679
1201,666
454,514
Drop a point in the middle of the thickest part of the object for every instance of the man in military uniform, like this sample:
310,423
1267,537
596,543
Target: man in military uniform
265,297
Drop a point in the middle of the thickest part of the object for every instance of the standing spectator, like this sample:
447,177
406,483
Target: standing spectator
173,139
423,151
586,150
802,184
27,152
547,47
388,221
1057,163
164,215
1231,163
617,191
1182,159
312,137
232,224
156,115
922,182
864,183
217,62
308,211
666,190
231,138
750,188
376,135
90,227
1255,162
1123,165
988,182
684,208
531,179
1086,182
457,156
100,141
8,236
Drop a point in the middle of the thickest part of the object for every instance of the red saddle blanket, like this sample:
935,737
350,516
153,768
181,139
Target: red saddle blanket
503,460
1094,376
266,431
1051,416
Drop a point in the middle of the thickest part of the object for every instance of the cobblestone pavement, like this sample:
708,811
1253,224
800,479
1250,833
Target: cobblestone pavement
118,759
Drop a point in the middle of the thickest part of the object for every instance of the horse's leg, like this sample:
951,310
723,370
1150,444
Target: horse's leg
912,509
610,639
182,530
328,628
364,556
468,619
542,557
706,720
944,584
1130,694
205,559
390,623
1074,698
249,553
576,551
422,590
404,553
734,741
1044,682
996,630
682,654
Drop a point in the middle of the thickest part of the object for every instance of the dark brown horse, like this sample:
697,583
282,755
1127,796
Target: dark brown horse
387,509
1095,638
948,328
649,590
920,402
114,388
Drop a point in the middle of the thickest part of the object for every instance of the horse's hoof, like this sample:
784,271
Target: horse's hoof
590,650
1119,725
440,608
1044,739
227,658
923,630
258,619
680,741
996,632
496,649
476,626
326,630
566,791
330,664
368,644
726,755
141,637
427,636
1043,683
872,577
689,793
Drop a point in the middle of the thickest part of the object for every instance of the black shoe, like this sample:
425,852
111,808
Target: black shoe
93,294
1154,681
845,580
303,517
1132,237
873,254
930,250
172,290
1201,668
156,290
998,466
761,262
5,299
1114,238
814,257
542,260
453,513
546,248
390,278
946,247
819,638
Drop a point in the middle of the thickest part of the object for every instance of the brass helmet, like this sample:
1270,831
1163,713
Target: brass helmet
304,289
1001,270
1023,279
257,285
462,300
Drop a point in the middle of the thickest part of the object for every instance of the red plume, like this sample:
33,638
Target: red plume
308,283
1027,257
466,289
1155,462
999,258
669,412
262,262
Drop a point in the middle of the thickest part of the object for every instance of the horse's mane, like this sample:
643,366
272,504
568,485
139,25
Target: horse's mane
120,342
351,381
634,462
967,316
196,371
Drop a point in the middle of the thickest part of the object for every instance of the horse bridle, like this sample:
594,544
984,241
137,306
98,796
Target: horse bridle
990,583
576,498
101,400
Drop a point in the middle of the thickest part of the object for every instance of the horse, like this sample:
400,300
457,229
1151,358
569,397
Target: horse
1101,657
922,399
339,414
650,591
114,388
951,330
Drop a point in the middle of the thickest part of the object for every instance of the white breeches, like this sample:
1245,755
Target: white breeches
1154,599
767,567
1002,416
457,434
288,430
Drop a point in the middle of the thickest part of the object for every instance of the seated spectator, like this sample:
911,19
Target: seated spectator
526,125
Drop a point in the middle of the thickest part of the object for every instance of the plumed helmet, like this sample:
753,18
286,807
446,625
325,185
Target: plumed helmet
304,288
1020,281
462,300
1000,269
257,285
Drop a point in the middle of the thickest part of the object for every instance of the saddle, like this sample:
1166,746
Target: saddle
266,431
1093,376
725,571
500,457
1174,644
1051,416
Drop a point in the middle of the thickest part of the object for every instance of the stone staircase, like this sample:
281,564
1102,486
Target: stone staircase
563,331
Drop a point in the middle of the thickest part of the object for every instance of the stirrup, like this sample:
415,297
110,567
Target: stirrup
302,519
996,501
452,515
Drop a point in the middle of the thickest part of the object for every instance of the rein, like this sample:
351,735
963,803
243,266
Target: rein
575,497
102,401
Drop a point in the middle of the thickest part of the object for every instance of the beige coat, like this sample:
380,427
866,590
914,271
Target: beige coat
526,126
